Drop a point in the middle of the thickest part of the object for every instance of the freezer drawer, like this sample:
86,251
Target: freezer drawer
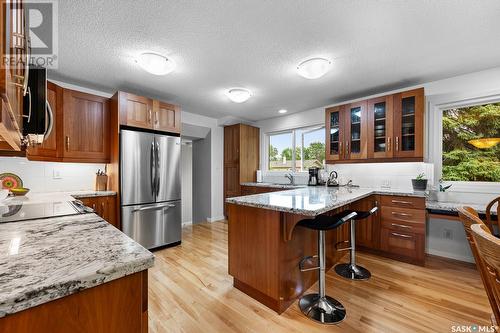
153,225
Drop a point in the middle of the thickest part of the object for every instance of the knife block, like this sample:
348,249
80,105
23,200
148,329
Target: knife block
101,183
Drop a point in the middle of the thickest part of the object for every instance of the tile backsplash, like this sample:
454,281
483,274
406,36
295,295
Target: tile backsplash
386,175
52,177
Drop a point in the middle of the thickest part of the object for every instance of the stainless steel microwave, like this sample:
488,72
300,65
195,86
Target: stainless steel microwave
38,118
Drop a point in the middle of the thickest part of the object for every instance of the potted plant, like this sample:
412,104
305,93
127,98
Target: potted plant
419,183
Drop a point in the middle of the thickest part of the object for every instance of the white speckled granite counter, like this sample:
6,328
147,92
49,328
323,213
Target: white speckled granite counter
43,260
452,206
273,185
312,200
36,197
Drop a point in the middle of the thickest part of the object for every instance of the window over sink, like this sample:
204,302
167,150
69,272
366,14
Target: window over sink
297,149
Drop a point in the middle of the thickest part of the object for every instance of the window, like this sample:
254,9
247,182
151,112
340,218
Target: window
471,143
297,150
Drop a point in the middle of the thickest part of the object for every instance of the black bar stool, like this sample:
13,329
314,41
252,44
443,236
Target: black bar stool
318,306
351,270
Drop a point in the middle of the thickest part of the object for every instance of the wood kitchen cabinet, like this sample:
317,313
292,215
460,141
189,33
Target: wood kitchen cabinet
368,230
81,131
13,78
384,129
143,112
86,126
241,157
104,206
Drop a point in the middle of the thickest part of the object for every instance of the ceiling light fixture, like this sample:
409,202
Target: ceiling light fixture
282,111
314,68
238,95
155,63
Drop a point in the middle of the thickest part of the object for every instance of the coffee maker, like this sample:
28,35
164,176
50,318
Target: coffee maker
313,177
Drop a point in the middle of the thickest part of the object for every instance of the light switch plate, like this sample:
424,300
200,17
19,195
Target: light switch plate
386,183
56,174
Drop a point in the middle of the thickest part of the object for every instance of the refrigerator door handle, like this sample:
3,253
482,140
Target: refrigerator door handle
153,168
167,206
157,172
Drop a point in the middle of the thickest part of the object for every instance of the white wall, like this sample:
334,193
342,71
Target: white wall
217,160
187,182
39,176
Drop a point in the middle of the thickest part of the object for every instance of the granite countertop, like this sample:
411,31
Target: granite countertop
42,260
44,197
91,193
273,185
312,200
452,206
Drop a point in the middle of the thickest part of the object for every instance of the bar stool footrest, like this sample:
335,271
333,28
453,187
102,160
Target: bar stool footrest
338,248
301,264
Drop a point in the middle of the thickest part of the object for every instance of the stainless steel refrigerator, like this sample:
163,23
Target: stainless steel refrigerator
150,188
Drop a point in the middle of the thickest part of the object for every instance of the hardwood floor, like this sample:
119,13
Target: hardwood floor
190,291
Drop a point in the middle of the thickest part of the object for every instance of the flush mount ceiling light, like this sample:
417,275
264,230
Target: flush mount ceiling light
314,68
155,63
238,95
282,111
485,143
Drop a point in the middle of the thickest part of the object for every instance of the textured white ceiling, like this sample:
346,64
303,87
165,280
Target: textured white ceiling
218,44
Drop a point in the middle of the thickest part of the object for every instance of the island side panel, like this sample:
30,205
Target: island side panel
304,242
253,240
116,306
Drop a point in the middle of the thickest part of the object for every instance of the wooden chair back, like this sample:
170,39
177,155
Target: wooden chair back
489,220
469,217
489,249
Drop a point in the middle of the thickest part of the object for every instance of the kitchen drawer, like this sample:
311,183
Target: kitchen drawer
248,190
412,220
403,244
402,201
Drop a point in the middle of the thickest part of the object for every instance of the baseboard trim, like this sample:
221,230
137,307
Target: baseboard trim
450,256
215,219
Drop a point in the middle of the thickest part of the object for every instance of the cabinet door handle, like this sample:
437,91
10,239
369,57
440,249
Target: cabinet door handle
67,143
401,226
388,144
401,202
149,116
401,214
400,235
156,117
340,149
397,143
93,206
102,207
346,149
27,45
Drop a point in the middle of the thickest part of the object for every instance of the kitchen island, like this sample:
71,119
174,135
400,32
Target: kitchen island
72,273
265,246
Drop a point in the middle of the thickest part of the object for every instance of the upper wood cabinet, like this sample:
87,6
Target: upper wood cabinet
167,117
383,129
13,78
143,112
81,131
86,126
335,133
380,127
409,124
135,111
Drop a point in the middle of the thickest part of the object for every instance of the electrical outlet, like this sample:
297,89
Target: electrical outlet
386,183
56,174
447,234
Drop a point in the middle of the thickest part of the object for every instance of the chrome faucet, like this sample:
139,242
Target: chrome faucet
291,178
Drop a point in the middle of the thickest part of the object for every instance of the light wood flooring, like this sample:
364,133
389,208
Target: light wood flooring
190,291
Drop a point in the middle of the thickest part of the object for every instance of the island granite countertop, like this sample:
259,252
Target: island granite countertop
313,200
43,260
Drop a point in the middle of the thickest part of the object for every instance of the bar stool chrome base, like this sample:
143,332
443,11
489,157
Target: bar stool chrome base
325,310
352,272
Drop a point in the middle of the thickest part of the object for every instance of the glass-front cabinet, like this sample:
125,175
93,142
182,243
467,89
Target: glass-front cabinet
380,129
408,124
356,131
335,133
